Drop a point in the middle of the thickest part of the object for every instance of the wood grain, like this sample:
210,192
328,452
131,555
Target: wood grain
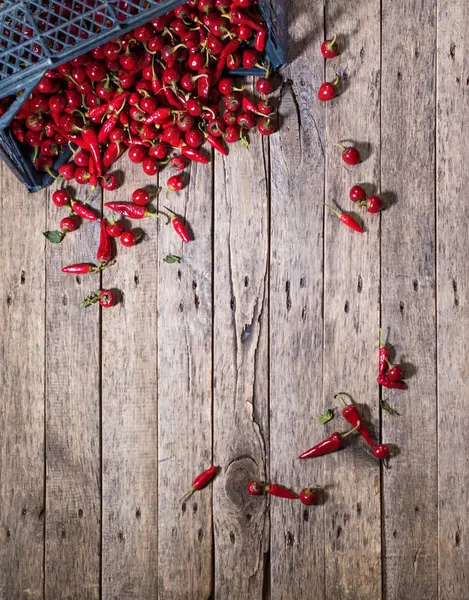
240,376
296,325
129,411
73,478
185,392
351,311
22,349
408,296
452,294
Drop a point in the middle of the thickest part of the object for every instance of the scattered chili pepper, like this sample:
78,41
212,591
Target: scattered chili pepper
201,481
106,298
352,416
255,488
80,209
90,138
280,491
179,226
309,496
394,372
347,220
194,155
382,451
105,248
389,383
383,356
132,211
331,444
84,268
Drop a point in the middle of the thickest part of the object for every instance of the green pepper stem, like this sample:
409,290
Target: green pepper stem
344,435
336,212
331,44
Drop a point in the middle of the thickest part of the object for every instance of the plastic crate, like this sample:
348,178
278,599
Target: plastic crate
38,35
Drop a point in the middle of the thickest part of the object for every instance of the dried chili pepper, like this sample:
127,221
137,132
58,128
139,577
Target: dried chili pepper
352,416
240,18
179,226
383,356
200,481
105,247
84,268
106,128
389,383
260,41
74,139
193,154
347,220
112,153
280,491
331,444
232,46
90,138
217,144
80,209
133,211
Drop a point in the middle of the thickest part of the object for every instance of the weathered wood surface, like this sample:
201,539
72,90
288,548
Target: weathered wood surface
227,357
22,355
452,298
296,324
351,305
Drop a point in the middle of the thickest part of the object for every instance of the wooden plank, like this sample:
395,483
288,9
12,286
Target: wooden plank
185,393
22,383
351,316
129,411
296,288
72,417
408,295
452,295
240,403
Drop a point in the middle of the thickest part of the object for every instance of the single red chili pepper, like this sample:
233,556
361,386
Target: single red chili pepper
179,226
137,142
117,103
260,40
93,177
97,113
194,155
112,153
347,220
389,383
80,209
352,416
309,495
105,248
255,488
160,116
201,481
382,451
74,139
106,128
395,372
280,491
219,68
232,46
217,143
331,444
132,211
172,99
204,83
240,18
248,105
84,268
383,356
91,139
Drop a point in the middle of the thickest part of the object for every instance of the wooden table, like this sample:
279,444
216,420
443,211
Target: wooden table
226,358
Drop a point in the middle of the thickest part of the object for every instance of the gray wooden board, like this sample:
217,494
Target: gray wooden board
129,411
351,304
185,391
240,376
408,296
296,325
73,480
452,294
22,297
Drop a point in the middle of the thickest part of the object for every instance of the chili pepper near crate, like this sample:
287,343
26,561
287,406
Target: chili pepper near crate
201,481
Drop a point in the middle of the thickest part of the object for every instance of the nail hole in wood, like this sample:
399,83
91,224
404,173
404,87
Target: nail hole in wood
9,300
399,76
452,49
64,300
78,279
136,278
246,281
359,284
246,333
120,535
196,301
304,313
346,306
362,52
181,307
359,508
303,282
194,507
401,307
306,515
344,76
64,533
40,516
194,285
458,80
248,517
416,509
80,513
179,274
183,507
339,531
23,512
290,539
200,534
233,303
8,533
415,285
394,534
455,292
232,537
457,538
416,52
22,278
138,513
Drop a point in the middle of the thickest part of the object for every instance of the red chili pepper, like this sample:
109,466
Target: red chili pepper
105,248
383,356
331,444
160,116
249,105
172,99
84,268
80,209
260,41
91,139
204,83
137,142
93,179
219,68
179,227
280,491
106,128
132,211
389,383
112,153
352,416
118,101
240,18
97,113
194,155
217,144
232,46
347,220
75,140
201,481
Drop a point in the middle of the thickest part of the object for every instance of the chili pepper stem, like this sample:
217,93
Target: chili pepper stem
330,45
344,435
187,495
341,397
336,212
88,198
49,172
